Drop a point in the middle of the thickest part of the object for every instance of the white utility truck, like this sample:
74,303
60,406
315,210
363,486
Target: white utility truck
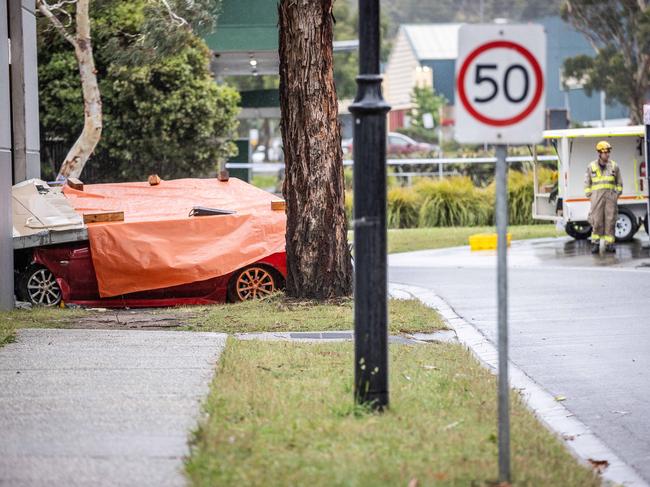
565,202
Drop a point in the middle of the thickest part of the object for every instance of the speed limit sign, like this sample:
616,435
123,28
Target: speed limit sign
500,88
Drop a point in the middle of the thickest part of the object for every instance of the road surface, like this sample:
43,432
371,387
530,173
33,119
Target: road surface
579,325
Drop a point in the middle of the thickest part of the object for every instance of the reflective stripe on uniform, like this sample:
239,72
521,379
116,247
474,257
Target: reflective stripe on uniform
600,182
596,187
609,239
595,236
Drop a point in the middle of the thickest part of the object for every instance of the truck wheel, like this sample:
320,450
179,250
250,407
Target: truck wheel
578,230
626,225
645,223
38,286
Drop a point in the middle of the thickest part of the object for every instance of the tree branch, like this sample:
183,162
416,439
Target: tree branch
175,18
46,10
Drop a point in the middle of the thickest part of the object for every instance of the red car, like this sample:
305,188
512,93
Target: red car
47,275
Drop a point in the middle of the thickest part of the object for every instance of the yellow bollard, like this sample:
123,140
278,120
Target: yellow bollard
485,241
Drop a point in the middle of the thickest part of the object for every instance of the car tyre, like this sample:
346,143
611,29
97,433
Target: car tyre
37,285
253,282
578,230
626,225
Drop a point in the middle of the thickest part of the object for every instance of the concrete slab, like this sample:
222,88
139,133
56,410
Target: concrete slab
101,407
579,326
316,336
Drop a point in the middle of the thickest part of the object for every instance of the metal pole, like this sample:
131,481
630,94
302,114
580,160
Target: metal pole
502,314
646,121
6,227
370,283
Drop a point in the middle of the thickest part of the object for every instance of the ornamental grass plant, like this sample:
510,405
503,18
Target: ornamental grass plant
457,202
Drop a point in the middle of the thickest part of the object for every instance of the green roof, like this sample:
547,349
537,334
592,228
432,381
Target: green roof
246,25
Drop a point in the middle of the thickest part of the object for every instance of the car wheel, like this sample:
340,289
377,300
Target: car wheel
38,286
578,230
252,282
626,225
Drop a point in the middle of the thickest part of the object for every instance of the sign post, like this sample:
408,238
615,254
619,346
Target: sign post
500,90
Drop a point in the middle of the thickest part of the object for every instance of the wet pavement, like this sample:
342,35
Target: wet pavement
546,252
579,324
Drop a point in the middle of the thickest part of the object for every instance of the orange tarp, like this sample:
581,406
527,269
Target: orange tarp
159,245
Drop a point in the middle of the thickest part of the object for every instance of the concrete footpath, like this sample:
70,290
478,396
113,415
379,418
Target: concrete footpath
101,407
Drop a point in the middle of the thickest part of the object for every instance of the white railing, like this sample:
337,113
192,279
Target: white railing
274,167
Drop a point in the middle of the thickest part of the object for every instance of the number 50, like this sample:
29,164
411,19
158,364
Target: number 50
481,78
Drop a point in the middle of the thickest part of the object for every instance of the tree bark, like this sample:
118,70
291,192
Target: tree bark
83,148
318,258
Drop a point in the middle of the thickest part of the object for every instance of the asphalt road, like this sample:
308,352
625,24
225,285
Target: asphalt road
101,407
579,325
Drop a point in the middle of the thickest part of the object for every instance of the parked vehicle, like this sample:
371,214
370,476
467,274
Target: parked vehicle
567,203
140,244
400,144
47,275
397,145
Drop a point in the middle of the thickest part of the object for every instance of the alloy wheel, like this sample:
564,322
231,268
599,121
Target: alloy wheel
43,289
254,282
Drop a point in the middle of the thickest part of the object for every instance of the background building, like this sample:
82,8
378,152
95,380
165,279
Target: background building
425,55
19,137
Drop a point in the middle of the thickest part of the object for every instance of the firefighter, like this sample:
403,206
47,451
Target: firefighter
603,185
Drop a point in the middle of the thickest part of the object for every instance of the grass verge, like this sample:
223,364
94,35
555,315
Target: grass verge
36,317
7,332
410,239
282,414
278,314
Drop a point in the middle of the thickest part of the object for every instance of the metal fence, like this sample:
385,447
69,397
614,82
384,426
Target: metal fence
437,165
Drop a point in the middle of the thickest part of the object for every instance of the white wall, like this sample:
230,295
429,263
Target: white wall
400,74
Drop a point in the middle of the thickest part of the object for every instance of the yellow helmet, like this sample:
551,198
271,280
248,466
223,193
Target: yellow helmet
603,145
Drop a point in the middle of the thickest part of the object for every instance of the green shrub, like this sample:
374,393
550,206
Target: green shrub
456,201
403,208
521,194
452,202
520,198
348,177
349,198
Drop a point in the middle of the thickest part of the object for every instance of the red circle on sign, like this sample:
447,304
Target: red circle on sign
460,83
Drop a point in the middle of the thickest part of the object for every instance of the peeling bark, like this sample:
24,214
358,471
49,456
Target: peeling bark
318,258
84,146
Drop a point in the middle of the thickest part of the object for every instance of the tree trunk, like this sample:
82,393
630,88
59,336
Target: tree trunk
85,145
318,258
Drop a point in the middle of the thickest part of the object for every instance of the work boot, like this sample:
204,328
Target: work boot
610,248
595,247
